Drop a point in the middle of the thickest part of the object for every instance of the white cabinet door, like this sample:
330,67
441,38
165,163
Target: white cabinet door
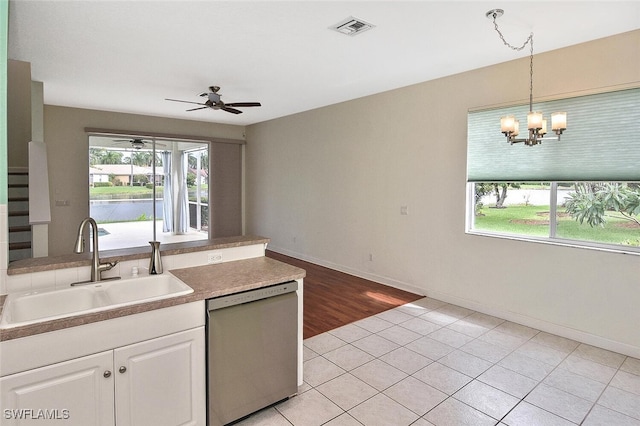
161,382
78,392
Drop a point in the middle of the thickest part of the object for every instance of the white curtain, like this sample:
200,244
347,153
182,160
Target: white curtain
167,194
181,210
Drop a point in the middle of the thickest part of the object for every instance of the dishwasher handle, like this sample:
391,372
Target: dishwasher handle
251,295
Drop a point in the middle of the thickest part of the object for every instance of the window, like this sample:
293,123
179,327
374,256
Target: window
124,179
599,214
583,189
180,190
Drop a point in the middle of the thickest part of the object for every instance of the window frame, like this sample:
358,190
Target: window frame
157,141
552,239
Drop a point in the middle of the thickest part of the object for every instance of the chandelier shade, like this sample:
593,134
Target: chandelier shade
559,121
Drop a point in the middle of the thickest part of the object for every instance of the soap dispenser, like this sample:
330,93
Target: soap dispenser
155,264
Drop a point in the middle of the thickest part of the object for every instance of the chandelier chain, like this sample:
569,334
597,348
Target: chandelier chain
528,41
506,43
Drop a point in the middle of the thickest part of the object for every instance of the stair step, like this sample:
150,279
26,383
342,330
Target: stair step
20,246
19,213
18,206
18,192
23,228
19,254
17,220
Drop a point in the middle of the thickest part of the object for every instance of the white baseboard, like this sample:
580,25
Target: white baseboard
542,325
357,273
539,324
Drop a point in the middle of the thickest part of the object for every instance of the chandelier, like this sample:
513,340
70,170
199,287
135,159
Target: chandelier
536,123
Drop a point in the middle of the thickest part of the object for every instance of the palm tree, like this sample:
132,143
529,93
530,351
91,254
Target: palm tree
204,161
95,156
142,158
112,157
193,161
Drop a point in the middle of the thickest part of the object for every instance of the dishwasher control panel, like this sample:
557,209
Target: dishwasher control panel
251,295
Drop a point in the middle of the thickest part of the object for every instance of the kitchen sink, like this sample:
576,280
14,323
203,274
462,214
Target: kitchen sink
145,288
35,305
43,305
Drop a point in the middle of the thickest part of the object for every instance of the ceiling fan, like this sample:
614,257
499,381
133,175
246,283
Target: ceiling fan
136,143
214,102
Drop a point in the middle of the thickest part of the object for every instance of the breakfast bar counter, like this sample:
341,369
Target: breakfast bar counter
207,281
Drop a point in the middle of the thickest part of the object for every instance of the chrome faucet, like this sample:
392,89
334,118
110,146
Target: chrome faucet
96,266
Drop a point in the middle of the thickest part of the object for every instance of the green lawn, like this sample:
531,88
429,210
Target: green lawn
534,221
116,190
137,193
533,185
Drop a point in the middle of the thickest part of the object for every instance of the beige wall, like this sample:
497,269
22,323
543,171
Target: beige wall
68,153
18,113
327,185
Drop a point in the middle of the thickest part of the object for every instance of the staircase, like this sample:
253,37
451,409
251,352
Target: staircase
18,212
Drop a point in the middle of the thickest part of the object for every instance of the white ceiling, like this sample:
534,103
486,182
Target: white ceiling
129,56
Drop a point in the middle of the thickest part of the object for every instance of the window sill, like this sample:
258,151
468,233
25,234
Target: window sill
561,242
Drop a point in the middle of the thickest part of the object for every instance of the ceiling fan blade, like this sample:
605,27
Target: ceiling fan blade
244,104
195,109
231,110
186,102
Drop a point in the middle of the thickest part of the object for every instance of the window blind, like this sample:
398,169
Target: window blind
601,143
225,181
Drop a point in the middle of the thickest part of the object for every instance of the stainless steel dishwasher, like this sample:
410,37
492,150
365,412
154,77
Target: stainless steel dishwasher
252,352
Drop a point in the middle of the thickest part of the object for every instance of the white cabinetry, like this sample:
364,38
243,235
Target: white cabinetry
156,382
161,381
72,392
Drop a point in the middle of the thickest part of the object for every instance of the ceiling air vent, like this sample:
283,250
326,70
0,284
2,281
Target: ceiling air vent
352,26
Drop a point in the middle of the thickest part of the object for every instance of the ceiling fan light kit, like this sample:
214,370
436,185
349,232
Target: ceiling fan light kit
136,143
214,101
536,123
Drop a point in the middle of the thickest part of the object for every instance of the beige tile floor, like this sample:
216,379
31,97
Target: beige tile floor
432,363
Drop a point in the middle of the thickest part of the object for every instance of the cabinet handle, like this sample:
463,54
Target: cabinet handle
107,374
122,369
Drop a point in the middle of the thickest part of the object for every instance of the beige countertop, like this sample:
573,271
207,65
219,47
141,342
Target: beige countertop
207,281
40,264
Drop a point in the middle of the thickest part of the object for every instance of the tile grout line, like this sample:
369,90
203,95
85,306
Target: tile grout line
541,381
441,327
455,348
604,390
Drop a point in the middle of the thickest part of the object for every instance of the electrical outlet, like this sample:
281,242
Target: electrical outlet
214,257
